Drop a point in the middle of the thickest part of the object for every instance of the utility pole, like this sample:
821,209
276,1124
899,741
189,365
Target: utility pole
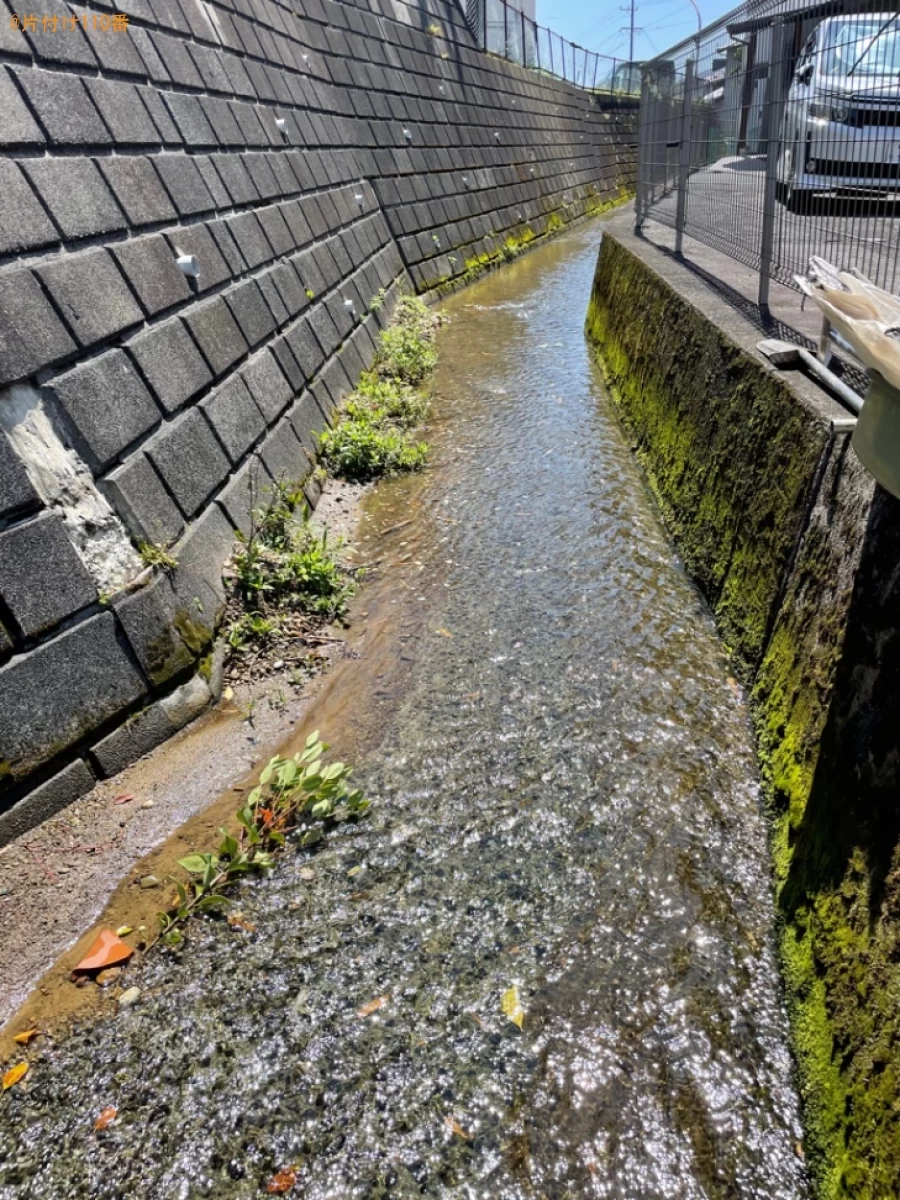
630,28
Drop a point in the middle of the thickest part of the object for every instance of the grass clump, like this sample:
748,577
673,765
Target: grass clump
157,556
286,581
374,435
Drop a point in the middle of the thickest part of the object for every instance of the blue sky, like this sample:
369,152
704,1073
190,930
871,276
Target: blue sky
596,25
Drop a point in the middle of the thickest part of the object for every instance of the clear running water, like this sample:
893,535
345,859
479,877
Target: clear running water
565,801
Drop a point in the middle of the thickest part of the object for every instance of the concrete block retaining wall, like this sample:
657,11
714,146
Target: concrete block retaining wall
140,405
799,556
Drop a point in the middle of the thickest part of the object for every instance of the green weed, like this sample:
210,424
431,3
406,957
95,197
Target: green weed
297,796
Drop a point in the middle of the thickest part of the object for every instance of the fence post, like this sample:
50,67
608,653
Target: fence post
524,54
484,8
643,151
684,153
775,106
505,30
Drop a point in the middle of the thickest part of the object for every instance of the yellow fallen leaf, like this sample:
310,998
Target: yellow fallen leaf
124,930
228,693
14,1074
372,1006
26,1036
444,632
512,1006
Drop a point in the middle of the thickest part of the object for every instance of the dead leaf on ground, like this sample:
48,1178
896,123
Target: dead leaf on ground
26,1036
512,1006
14,1074
106,1118
108,950
444,632
454,1125
123,798
372,1006
239,921
228,693
282,1181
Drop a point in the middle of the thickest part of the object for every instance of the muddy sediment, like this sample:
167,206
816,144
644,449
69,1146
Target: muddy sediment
565,829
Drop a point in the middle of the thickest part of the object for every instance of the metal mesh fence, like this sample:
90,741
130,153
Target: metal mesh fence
505,31
774,135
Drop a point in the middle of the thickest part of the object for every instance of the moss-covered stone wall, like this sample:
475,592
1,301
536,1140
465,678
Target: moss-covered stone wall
776,521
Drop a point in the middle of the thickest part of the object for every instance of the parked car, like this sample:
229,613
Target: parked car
841,127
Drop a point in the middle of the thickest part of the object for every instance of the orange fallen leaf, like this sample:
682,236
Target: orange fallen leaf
14,1074
454,1125
106,1118
282,1181
107,951
123,798
239,921
26,1036
372,1006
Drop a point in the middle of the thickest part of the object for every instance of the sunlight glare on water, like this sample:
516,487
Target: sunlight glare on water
565,802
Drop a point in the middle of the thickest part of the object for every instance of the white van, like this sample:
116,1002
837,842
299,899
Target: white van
841,124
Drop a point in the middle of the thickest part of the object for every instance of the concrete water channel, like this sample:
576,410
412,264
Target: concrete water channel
564,802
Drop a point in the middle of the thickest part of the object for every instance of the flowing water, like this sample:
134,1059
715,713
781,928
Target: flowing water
565,802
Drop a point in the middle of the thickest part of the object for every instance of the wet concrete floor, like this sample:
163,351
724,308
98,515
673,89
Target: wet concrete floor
564,804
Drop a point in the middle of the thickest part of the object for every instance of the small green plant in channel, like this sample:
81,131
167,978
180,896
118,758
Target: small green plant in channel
282,568
157,556
374,434
295,797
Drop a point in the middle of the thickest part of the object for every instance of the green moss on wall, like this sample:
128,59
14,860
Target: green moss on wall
771,518
727,450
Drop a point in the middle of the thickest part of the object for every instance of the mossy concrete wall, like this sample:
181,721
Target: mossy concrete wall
799,556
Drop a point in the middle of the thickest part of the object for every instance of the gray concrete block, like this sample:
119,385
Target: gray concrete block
138,496
138,189
248,234
105,405
250,311
184,183
124,746
91,295
292,293
149,55
151,619
31,334
267,385
114,51
171,363
237,421
285,459
25,225
197,580
149,266
42,579
276,230
77,196
214,184
122,110
307,421
305,347
159,113
55,695
189,459
227,246
64,108
245,493
12,41
190,119
216,332
67,786
284,356
234,175
16,491
272,296
176,60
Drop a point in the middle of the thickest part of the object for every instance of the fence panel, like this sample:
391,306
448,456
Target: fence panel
793,138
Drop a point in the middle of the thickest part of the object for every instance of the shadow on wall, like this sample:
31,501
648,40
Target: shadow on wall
841,899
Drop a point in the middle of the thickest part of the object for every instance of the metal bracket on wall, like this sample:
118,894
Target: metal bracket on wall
783,355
